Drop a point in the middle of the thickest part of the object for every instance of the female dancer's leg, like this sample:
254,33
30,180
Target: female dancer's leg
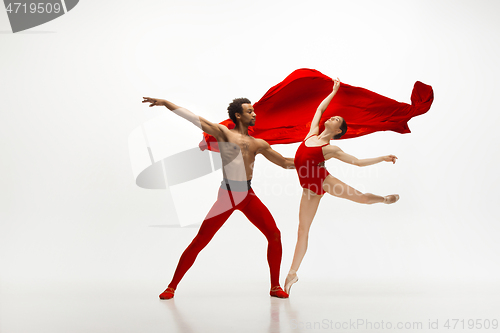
308,207
340,189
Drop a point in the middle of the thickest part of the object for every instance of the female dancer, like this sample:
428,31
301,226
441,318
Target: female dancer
315,179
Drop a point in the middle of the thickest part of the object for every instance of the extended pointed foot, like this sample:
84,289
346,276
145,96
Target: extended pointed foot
290,280
168,293
390,199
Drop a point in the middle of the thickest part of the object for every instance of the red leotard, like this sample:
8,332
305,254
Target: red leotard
311,175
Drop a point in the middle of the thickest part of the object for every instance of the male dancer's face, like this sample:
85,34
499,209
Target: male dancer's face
247,116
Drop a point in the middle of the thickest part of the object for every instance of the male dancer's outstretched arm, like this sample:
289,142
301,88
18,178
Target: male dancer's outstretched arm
216,130
275,157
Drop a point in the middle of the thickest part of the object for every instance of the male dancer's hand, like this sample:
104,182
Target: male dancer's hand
208,127
154,101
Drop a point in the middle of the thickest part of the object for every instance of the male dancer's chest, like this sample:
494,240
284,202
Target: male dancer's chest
238,155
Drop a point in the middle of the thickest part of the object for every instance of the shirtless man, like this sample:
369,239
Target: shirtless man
238,151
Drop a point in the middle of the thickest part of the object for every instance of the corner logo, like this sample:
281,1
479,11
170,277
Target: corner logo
28,14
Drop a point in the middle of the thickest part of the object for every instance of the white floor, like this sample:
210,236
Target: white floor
353,306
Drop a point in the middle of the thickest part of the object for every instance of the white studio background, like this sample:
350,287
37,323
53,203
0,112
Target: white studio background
71,214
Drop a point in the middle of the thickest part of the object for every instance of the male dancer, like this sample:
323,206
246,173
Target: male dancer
238,151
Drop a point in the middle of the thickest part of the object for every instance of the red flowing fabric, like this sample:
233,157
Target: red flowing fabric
285,112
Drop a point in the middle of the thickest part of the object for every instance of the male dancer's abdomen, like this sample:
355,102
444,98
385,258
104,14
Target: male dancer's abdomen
234,167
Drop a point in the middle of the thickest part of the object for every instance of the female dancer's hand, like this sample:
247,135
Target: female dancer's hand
390,158
336,84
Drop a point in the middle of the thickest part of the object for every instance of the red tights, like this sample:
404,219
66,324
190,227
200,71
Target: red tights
227,202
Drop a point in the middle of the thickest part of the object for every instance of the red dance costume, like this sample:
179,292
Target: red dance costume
233,197
311,175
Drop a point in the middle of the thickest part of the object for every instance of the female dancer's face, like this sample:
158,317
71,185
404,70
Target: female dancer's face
333,124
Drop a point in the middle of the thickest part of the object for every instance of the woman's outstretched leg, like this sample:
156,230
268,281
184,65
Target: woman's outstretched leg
308,207
340,189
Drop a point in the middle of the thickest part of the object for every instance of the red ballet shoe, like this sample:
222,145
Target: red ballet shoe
278,292
168,293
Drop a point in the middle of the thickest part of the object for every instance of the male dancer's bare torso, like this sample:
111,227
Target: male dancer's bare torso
238,153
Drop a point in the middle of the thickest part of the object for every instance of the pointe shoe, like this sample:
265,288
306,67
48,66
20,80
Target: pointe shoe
168,293
290,282
276,291
390,199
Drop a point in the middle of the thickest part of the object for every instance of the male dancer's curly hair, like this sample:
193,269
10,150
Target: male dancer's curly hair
235,107
343,128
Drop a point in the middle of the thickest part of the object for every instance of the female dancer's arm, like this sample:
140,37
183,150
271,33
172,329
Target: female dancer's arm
334,151
321,108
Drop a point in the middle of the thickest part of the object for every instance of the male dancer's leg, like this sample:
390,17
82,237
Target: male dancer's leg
260,216
216,217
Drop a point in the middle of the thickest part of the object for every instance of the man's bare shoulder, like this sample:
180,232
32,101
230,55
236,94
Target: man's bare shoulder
260,144
225,133
223,128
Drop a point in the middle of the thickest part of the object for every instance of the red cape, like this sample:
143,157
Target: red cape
285,112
